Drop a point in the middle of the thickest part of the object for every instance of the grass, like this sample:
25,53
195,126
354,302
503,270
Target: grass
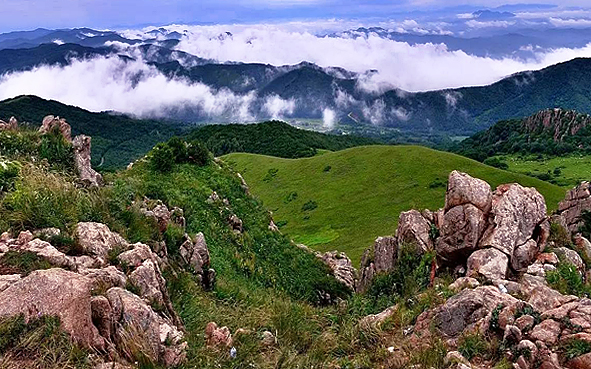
571,169
362,195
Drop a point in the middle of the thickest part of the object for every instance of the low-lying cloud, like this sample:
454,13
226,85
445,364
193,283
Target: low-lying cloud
133,87
417,67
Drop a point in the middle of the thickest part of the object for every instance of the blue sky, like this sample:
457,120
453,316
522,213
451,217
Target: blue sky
29,14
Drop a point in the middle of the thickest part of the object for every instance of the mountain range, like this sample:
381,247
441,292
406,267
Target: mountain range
311,89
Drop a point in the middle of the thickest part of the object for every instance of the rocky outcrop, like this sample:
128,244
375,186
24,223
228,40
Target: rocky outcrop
577,201
55,292
164,217
463,189
516,212
12,125
87,175
51,124
341,267
195,255
218,337
89,295
377,260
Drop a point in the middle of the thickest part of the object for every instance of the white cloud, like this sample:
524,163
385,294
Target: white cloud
277,107
489,24
329,118
110,83
571,23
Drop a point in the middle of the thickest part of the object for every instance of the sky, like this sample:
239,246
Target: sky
30,14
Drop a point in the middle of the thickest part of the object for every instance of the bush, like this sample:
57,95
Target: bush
575,348
179,149
585,227
57,151
472,345
559,235
567,280
9,171
496,162
162,158
198,153
437,183
310,205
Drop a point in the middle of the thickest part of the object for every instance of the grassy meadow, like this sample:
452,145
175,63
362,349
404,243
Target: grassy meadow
343,200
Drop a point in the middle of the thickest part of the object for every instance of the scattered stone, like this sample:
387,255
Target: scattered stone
268,339
377,260
570,256
96,239
463,283
12,125
583,245
525,322
512,334
341,267
236,223
218,337
548,258
581,362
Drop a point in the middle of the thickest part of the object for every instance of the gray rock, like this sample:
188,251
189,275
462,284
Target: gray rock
583,245
576,201
515,213
459,234
489,263
341,267
414,229
463,189
51,123
570,256
96,239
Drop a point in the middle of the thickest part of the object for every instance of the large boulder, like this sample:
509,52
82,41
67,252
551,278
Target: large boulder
55,292
96,239
489,263
576,201
414,229
87,175
51,123
463,189
460,232
469,308
515,213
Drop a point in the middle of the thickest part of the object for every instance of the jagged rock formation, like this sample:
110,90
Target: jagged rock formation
88,176
498,237
574,204
90,292
10,126
51,123
341,266
487,233
557,122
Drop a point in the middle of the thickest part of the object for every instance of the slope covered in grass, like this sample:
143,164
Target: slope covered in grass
344,200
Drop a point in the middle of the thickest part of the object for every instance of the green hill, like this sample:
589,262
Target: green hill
117,139
344,200
272,138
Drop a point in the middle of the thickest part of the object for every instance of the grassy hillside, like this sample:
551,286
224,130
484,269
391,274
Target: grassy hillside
344,200
272,138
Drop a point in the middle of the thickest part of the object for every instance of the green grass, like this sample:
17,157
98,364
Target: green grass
363,193
573,169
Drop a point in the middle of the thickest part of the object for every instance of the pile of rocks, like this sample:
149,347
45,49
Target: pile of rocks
497,242
489,234
108,297
10,126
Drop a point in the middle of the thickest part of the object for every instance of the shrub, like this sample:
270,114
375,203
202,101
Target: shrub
271,173
472,345
496,162
162,158
179,149
23,262
437,183
575,348
567,280
198,153
291,197
327,169
9,171
57,150
559,235
310,205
